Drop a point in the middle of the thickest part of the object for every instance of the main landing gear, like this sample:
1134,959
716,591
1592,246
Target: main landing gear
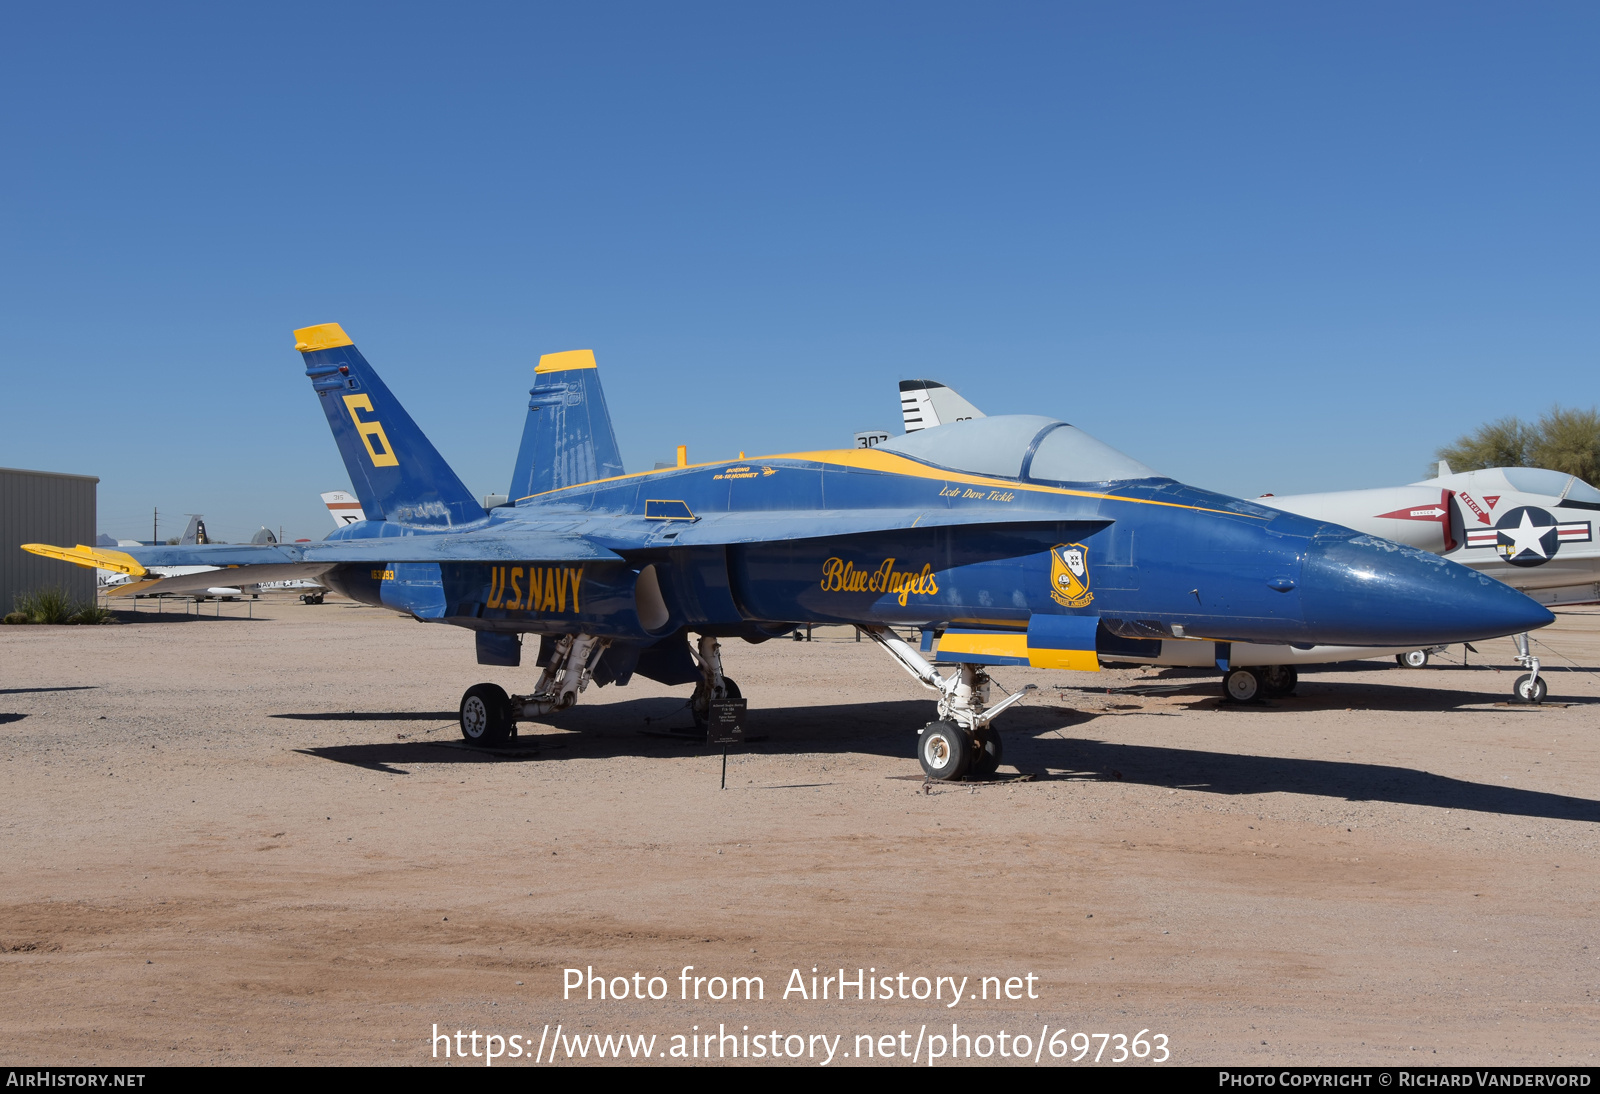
962,742
489,716
1251,685
712,685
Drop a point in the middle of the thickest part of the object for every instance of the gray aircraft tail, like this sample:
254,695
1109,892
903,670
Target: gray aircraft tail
927,403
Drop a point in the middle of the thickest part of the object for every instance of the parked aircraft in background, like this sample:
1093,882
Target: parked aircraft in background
1007,540
343,507
122,584
1526,526
1510,523
927,403
114,583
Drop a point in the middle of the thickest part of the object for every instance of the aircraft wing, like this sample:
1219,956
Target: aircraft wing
595,539
251,563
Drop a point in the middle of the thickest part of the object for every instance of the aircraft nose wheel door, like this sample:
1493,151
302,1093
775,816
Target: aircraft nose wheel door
486,715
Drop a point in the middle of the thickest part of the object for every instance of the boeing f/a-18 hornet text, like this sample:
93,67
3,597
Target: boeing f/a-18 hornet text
1004,540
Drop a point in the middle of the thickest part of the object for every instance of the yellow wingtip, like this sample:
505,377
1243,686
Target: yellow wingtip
95,557
321,336
567,359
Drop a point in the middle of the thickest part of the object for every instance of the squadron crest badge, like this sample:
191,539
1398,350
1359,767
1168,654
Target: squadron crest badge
1069,575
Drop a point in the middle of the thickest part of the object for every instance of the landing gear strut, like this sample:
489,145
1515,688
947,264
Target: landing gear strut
1530,688
489,716
712,685
961,742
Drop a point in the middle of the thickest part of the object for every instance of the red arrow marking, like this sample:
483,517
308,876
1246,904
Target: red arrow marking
1483,518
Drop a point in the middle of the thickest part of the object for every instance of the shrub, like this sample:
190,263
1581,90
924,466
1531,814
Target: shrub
50,604
93,613
16,617
1563,440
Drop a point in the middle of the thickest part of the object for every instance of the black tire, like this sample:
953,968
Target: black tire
486,715
1413,659
1530,690
698,703
1242,686
1279,680
944,750
987,756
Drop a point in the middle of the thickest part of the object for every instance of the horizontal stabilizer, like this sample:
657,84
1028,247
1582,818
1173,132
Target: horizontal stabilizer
97,557
528,545
230,578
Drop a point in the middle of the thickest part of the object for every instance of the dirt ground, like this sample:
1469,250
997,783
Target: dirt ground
232,840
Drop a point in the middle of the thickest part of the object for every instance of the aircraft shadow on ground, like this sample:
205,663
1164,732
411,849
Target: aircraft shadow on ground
1232,774
27,691
375,716
1039,740
6,719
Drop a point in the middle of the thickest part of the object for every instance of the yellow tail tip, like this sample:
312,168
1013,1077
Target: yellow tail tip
321,336
568,359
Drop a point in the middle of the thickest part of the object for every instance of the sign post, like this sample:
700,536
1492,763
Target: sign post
725,726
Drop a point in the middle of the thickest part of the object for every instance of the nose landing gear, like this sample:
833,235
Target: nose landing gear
1530,688
961,742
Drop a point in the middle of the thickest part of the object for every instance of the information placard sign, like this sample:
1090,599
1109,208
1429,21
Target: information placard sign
725,722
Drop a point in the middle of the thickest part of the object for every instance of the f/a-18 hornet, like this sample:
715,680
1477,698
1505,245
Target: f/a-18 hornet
1009,540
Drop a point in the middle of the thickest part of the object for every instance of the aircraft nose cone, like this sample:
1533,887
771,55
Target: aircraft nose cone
1366,591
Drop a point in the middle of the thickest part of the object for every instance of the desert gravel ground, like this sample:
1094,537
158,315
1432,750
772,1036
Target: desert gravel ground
233,840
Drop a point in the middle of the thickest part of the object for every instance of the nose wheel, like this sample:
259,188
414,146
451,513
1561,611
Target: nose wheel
947,752
944,750
1531,687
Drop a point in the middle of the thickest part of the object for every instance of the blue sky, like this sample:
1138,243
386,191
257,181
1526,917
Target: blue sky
1257,246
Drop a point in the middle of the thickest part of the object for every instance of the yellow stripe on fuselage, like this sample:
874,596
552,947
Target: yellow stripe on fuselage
889,463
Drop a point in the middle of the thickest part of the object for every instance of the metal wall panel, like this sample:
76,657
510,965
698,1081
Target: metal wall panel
44,507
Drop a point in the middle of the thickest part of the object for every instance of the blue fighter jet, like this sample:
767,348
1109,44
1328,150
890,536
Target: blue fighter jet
1007,540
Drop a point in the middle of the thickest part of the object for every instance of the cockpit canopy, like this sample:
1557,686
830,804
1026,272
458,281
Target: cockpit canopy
1019,446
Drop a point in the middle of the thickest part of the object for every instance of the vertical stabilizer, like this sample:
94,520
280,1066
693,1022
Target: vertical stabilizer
397,473
927,403
343,507
568,437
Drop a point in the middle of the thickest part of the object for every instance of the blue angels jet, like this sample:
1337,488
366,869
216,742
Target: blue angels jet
1006,540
